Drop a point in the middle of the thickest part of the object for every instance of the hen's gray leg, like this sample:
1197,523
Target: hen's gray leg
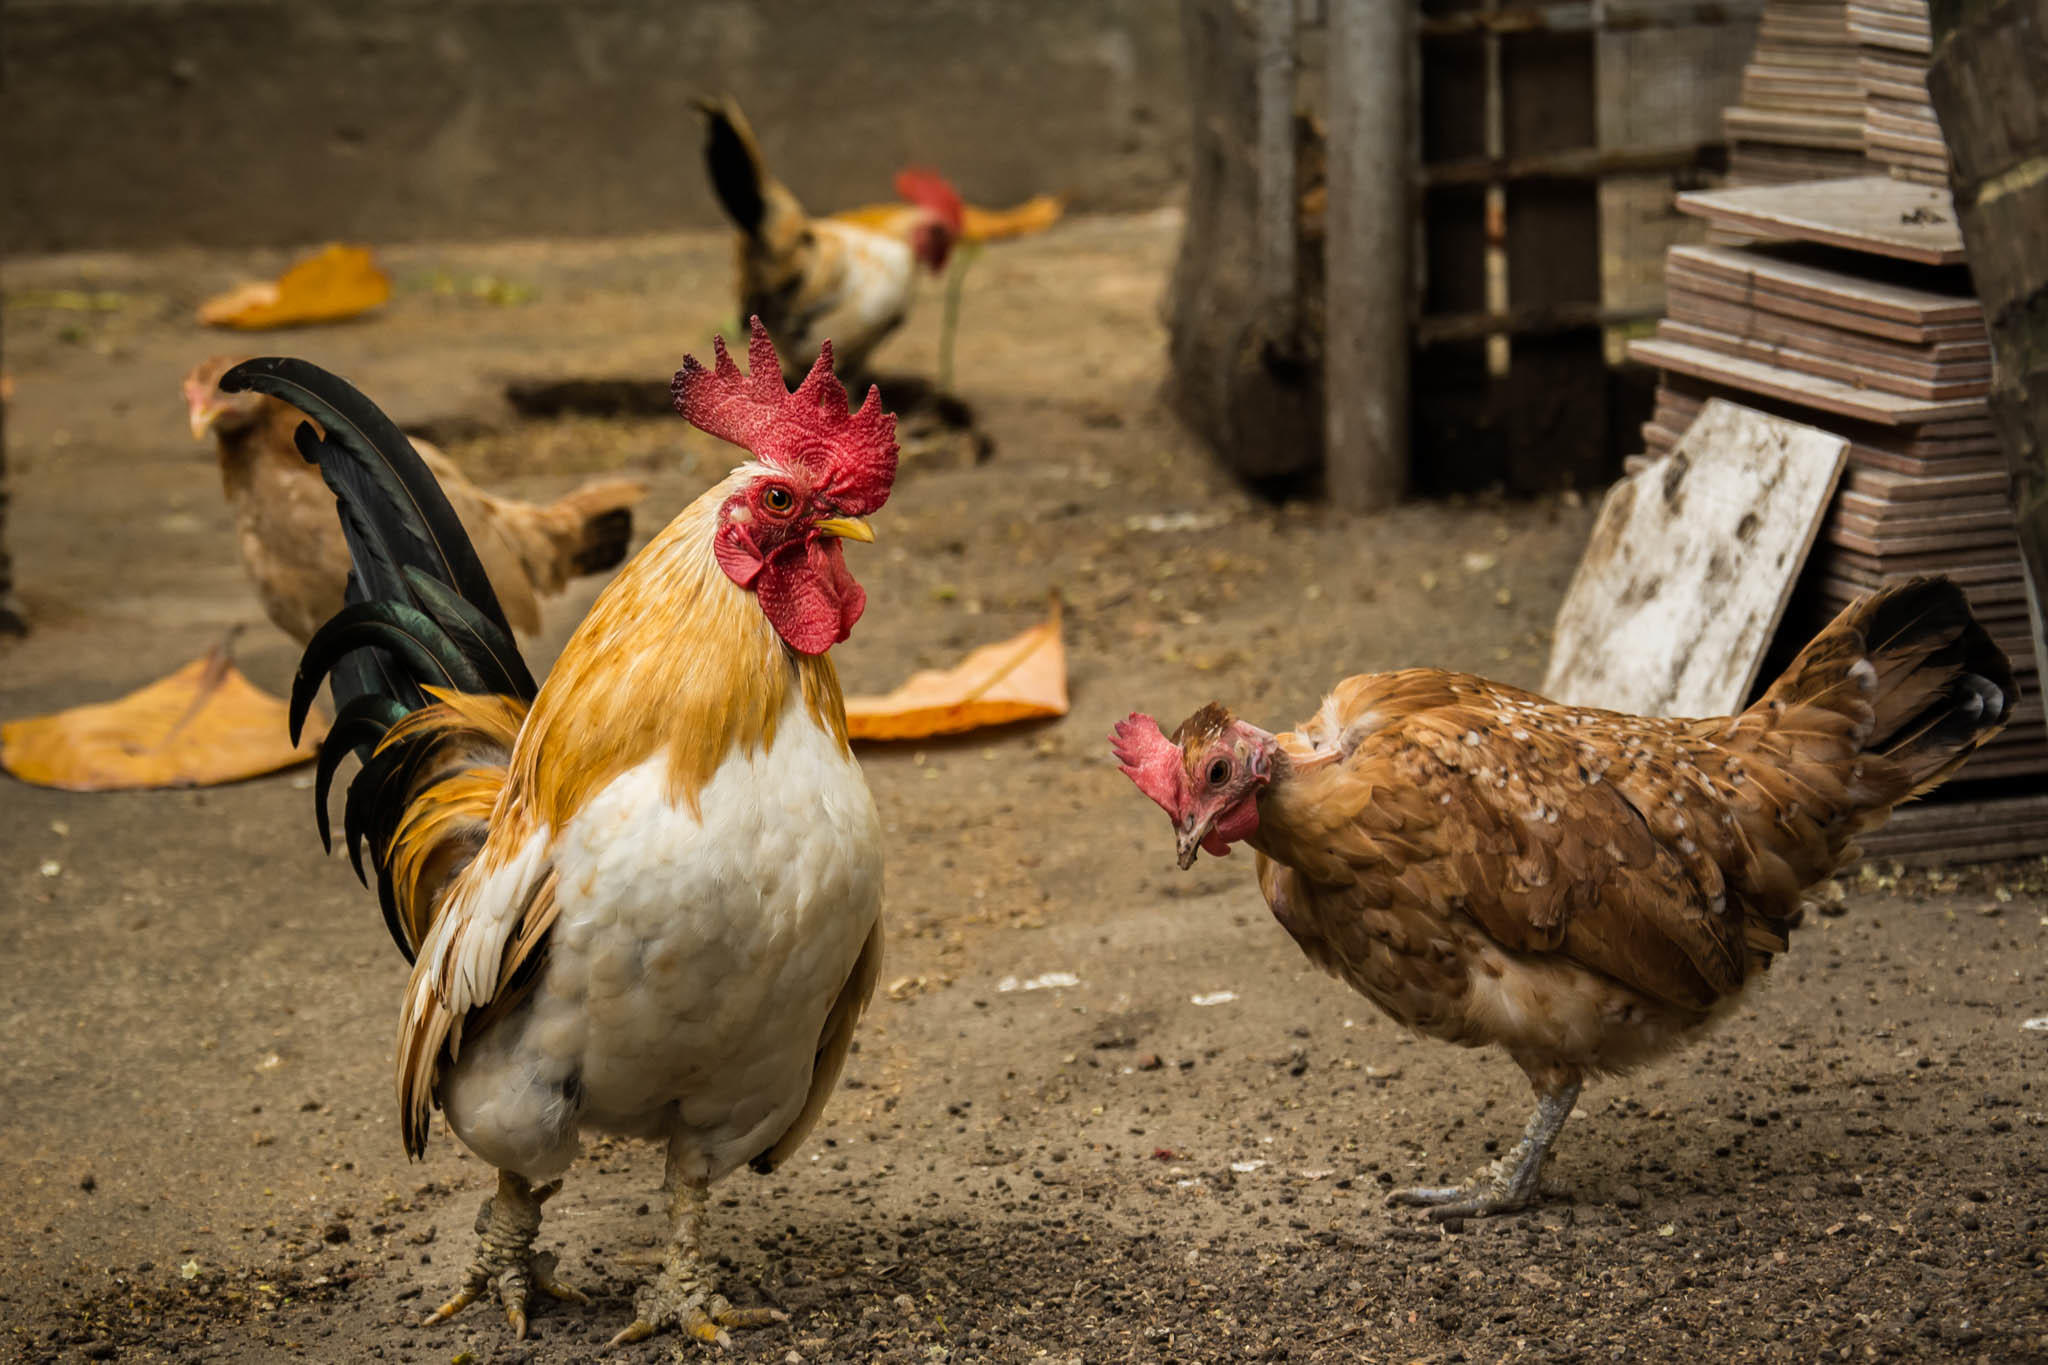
1513,1182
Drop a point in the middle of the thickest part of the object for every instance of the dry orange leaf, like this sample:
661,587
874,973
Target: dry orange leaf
204,725
333,283
1022,678
1035,214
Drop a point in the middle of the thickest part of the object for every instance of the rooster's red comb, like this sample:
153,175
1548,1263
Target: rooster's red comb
849,457
1151,760
930,190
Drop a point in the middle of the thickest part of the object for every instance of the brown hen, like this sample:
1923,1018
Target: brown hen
291,542
1581,888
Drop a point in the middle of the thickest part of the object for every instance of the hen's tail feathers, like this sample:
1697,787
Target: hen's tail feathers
1909,677
424,667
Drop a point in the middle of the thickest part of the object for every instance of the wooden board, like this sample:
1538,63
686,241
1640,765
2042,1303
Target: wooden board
1689,567
1814,333
1842,133
1982,564
1898,488
1870,213
1844,372
1803,274
1855,517
1868,405
1774,163
1936,833
1679,280
1945,447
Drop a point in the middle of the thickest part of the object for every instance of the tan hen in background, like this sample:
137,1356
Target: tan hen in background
292,545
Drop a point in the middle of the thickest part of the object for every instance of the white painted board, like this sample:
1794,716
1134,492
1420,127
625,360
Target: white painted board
1690,565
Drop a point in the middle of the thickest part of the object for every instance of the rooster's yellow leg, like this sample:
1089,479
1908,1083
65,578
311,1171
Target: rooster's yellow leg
505,1261
1514,1181
682,1295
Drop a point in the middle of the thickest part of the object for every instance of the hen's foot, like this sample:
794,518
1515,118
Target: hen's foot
506,1263
1515,1182
683,1299
1476,1200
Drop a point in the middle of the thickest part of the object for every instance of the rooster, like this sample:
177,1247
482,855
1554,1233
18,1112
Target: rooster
643,898
292,547
1580,888
849,278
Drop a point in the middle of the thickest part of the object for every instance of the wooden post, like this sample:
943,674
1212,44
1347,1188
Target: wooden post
1278,225
12,621
1242,324
1369,274
1990,67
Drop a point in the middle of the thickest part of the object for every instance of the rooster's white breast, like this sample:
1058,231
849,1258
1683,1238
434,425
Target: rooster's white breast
693,963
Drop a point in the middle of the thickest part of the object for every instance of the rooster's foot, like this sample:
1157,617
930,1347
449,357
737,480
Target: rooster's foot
1515,1182
682,1296
685,1302
506,1263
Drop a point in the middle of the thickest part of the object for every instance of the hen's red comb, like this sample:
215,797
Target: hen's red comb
1151,760
849,457
930,190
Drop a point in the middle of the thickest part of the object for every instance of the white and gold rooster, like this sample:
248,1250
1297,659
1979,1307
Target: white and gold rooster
643,898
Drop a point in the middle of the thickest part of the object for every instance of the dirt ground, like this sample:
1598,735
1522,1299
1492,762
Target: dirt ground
1179,1157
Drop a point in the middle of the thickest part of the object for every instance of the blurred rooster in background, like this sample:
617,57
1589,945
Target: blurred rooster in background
1580,888
851,276
644,897
810,278
292,546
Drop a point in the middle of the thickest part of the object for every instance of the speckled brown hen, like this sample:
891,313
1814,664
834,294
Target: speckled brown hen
1581,888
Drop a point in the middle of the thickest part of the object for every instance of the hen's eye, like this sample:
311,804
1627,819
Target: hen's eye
1219,773
777,500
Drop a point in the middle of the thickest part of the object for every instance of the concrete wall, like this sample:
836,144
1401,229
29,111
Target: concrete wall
227,122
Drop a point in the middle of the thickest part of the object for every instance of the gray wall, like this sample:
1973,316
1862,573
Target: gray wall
230,122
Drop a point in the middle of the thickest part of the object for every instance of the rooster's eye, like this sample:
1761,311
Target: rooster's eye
1219,773
777,500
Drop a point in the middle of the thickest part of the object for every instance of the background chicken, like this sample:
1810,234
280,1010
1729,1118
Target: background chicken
292,546
1581,888
645,897
849,278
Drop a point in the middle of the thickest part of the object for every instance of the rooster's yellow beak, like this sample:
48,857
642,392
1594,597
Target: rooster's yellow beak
851,528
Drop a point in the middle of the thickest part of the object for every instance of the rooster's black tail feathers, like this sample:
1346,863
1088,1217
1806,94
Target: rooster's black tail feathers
421,612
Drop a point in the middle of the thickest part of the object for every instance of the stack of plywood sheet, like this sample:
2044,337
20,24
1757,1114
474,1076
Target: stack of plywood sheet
1802,109
1900,132
1860,320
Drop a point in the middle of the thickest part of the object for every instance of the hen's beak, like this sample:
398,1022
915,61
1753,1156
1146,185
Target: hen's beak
1190,841
850,528
204,412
